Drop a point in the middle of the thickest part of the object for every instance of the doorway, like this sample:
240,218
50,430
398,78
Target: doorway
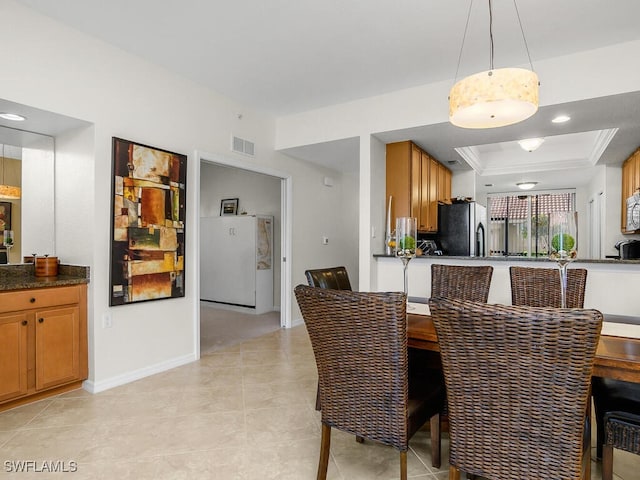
249,178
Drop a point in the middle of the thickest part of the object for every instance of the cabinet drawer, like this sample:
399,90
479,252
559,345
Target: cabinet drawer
37,298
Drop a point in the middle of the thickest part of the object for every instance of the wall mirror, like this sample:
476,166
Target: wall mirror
28,162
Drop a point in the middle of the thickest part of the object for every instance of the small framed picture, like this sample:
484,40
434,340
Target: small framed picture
5,216
229,206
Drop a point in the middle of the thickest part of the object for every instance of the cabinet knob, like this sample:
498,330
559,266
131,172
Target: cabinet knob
41,320
32,300
24,322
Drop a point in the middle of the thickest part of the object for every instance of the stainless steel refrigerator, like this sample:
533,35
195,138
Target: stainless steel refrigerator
462,229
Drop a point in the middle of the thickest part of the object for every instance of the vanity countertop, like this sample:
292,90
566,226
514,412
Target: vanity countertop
22,276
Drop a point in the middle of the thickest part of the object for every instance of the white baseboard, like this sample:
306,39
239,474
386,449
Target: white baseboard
297,321
102,385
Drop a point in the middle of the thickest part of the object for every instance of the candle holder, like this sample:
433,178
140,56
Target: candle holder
405,247
563,231
7,241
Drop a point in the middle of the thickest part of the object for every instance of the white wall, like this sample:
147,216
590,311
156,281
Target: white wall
610,288
38,219
55,68
587,74
258,195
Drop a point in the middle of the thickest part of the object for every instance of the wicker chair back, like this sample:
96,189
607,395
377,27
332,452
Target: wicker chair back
518,383
461,282
540,287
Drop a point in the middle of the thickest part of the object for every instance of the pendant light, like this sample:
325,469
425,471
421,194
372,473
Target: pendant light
496,97
8,192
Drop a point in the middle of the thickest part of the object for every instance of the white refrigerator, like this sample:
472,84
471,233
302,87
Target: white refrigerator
236,261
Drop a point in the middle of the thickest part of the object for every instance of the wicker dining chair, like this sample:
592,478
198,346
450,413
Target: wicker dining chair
540,287
610,395
359,340
335,278
462,282
518,383
622,431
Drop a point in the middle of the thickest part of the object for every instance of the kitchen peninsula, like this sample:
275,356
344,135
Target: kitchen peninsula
612,285
43,332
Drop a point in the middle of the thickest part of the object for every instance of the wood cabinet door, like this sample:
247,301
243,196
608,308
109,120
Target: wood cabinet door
423,219
416,183
627,181
398,181
13,355
444,183
57,346
433,195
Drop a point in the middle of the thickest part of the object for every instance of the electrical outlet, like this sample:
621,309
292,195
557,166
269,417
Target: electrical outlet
325,240
106,320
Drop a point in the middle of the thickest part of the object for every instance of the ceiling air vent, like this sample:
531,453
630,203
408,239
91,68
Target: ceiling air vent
243,146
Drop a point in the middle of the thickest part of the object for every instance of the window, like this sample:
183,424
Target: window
519,224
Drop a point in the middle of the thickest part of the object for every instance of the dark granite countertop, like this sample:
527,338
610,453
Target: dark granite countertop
610,261
22,276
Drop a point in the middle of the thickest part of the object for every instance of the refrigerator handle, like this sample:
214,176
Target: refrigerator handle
480,240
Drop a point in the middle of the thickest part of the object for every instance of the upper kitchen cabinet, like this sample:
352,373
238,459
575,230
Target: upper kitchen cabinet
416,181
630,185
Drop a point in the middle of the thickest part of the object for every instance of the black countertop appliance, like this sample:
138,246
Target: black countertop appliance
462,229
629,249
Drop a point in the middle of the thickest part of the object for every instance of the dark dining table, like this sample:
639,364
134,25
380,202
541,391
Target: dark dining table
616,357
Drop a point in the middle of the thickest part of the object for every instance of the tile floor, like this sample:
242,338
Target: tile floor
245,412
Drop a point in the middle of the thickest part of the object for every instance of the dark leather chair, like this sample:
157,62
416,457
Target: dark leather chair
622,431
3,257
517,395
372,398
335,278
540,287
611,395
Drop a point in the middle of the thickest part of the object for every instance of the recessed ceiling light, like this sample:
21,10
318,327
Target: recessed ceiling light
561,119
12,116
530,144
526,185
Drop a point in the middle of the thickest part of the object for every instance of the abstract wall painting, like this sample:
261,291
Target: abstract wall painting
148,229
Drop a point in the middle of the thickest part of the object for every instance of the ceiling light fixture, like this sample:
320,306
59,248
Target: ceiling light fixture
561,119
9,192
13,117
530,144
526,185
496,97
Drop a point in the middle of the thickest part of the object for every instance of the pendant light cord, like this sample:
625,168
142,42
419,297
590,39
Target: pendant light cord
491,36
491,49
524,39
464,36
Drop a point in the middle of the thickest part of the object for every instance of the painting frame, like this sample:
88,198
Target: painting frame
228,206
148,223
5,216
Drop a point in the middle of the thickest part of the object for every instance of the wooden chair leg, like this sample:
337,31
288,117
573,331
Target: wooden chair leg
325,445
607,462
435,440
318,408
359,439
403,465
454,473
